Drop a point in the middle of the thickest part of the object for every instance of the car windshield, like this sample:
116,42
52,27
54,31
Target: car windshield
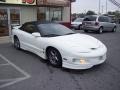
53,30
78,20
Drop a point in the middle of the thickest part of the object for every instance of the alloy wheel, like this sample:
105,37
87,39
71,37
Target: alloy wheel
54,57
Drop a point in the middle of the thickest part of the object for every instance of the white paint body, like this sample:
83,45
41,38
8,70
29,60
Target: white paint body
71,47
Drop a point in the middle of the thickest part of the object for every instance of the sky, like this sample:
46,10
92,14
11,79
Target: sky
82,6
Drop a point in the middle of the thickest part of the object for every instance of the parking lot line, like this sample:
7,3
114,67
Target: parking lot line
4,64
16,67
4,80
13,81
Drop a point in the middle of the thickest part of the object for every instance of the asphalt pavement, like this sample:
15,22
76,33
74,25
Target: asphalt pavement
22,70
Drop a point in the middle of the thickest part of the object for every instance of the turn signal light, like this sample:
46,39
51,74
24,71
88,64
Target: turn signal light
82,61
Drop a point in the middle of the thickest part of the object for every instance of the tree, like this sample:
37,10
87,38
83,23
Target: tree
90,13
115,13
82,15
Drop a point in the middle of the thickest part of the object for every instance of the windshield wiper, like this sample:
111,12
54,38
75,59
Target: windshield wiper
51,35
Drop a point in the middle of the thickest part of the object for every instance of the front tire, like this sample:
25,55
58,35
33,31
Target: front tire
114,29
16,43
54,57
80,27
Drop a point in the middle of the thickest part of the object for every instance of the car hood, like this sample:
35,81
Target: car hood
76,42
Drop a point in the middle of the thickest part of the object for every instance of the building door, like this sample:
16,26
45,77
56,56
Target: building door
14,18
9,17
4,28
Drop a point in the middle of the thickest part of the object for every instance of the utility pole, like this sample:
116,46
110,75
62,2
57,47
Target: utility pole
99,7
102,9
106,6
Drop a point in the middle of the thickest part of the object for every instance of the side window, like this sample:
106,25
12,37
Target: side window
30,28
103,19
107,19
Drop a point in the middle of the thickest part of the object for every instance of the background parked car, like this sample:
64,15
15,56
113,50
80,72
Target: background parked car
77,23
98,23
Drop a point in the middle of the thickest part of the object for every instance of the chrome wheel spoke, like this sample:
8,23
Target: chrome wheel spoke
53,57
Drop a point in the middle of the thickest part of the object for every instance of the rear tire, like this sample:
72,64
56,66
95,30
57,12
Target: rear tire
54,57
16,43
100,31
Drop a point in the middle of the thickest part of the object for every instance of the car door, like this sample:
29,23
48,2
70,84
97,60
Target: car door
103,22
108,23
111,24
28,40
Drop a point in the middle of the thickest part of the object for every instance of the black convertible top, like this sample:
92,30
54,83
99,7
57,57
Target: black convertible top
40,22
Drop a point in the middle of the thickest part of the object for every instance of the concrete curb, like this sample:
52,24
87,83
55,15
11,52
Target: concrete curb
5,39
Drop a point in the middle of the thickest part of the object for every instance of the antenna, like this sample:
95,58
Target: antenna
106,6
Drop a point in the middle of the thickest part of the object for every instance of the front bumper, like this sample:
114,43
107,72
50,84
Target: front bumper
90,62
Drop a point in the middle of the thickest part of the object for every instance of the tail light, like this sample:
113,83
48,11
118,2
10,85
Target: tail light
96,23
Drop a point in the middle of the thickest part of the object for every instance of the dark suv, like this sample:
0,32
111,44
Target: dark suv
98,23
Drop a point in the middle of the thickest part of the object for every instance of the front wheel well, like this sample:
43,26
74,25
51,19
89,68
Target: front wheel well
15,37
115,26
48,48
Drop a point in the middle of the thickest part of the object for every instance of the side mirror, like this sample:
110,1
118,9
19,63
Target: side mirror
36,34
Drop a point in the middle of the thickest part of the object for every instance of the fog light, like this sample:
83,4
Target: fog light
82,61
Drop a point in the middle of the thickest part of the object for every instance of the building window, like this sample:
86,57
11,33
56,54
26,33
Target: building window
41,15
49,14
3,22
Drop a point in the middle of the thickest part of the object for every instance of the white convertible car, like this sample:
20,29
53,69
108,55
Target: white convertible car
60,45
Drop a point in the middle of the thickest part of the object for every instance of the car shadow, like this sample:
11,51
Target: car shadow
31,54
72,71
